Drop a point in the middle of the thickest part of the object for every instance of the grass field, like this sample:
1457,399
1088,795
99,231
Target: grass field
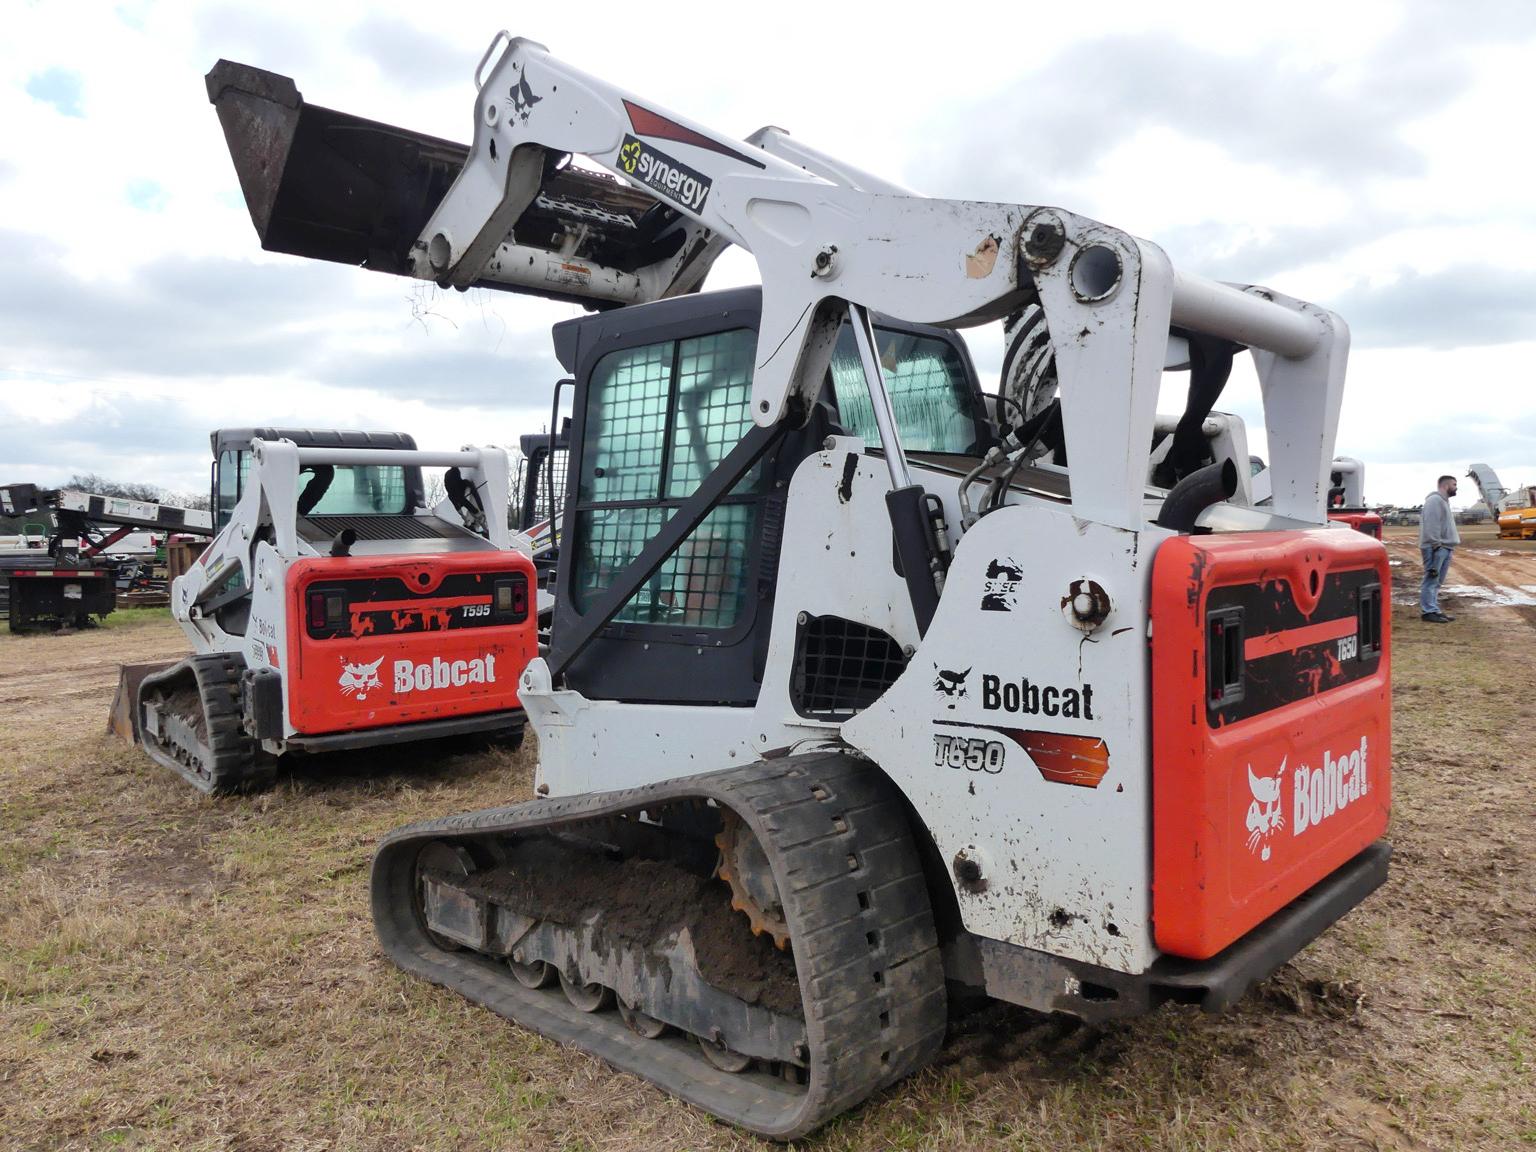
179,972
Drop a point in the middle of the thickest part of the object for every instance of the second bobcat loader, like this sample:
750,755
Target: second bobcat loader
334,610
855,695
1346,497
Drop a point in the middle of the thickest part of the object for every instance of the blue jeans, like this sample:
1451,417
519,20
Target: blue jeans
1436,562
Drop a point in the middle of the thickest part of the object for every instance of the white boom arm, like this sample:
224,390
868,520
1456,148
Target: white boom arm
1490,487
826,236
1351,474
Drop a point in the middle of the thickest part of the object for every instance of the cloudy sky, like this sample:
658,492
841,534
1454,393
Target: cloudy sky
1372,157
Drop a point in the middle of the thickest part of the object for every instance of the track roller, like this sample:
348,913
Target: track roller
586,997
536,974
723,1058
641,1024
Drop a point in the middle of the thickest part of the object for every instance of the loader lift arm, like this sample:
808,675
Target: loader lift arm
516,214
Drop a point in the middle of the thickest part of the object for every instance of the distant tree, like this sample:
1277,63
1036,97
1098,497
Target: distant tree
90,482
432,482
152,493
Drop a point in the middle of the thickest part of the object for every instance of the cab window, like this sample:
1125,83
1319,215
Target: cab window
930,392
659,418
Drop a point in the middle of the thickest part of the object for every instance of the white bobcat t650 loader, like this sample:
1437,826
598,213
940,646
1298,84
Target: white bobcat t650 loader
862,685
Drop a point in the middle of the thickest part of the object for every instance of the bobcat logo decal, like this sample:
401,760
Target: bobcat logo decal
1264,815
950,684
523,99
358,680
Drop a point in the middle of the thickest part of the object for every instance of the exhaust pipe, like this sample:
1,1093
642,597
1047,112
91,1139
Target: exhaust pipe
1195,493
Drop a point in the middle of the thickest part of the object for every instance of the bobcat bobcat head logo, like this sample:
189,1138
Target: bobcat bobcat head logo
950,684
523,99
360,679
1264,815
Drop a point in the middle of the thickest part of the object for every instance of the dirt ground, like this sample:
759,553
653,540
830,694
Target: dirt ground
179,972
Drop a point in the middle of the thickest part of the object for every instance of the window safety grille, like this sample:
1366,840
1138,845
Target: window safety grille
660,418
841,667
539,499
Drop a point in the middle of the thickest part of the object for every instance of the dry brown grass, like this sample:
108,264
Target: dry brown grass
177,972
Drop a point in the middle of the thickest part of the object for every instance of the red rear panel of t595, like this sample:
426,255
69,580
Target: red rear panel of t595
375,641
1271,724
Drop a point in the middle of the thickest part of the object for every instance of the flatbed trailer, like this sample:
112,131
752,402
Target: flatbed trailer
69,580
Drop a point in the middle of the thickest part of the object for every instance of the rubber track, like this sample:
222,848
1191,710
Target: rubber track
238,765
861,929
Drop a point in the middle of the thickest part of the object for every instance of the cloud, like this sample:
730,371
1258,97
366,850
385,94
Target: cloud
138,439
409,57
1458,307
239,32
455,371
1459,431
59,87
1066,115
193,317
1258,256
147,195
177,315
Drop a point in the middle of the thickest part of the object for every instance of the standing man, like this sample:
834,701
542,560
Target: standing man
1437,536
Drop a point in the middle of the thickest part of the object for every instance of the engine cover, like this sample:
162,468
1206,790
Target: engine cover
1271,724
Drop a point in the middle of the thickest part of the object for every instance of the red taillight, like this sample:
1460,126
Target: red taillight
511,598
317,610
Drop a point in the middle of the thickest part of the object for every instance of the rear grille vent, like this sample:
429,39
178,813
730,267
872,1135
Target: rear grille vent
397,527
841,667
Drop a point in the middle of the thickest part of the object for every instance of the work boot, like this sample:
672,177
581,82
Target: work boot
1435,618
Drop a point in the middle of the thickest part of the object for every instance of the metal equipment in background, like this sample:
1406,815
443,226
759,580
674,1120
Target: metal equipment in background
1513,510
1346,497
65,574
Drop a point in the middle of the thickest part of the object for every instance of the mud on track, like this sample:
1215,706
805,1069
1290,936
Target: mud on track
183,972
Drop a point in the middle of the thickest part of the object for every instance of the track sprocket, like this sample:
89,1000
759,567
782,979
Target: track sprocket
744,866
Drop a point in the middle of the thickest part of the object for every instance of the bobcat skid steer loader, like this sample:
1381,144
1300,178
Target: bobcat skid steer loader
333,610
854,693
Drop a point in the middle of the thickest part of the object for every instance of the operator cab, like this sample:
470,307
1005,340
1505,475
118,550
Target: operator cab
324,492
662,397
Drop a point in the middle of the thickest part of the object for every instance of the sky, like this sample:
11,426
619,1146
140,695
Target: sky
1368,156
